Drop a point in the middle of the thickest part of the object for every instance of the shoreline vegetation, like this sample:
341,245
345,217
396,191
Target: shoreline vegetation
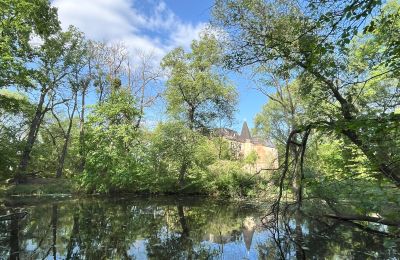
35,188
62,187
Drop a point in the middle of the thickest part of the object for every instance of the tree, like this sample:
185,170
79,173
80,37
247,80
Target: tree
83,80
108,66
143,77
24,25
286,36
78,80
181,158
283,113
113,155
53,65
196,93
175,145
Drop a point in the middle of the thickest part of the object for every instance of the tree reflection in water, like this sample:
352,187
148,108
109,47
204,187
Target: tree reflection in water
167,228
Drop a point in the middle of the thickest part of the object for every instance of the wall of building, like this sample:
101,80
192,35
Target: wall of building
267,156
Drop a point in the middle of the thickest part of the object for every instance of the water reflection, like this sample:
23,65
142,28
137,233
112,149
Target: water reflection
170,228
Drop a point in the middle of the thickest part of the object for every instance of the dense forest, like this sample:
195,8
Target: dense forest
73,110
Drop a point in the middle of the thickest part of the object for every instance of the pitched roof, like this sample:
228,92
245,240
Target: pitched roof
245,131
243,137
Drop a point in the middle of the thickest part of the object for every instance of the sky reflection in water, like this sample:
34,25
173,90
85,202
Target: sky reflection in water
172,228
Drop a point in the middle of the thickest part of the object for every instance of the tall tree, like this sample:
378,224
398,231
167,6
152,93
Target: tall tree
77,80
143,77
83,80
113,156
283,113
196,93
291,37
53,65
108,64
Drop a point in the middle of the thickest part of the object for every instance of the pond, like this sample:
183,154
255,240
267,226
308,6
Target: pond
177,228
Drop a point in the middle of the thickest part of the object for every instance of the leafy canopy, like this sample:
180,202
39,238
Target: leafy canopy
196,92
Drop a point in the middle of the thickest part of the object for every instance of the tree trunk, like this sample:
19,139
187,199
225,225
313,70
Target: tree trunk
348,111
101,92
298,187
191,118
20,176
54,219
66,141
185,235
182,173
74,238
380,220
297,180
182,221
82,132
141,107
300,253
14,238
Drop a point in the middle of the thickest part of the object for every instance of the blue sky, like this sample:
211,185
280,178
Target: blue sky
155,26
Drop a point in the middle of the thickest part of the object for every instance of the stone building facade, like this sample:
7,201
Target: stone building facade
244,144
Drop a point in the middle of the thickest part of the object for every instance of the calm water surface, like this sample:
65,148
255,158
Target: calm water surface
176,228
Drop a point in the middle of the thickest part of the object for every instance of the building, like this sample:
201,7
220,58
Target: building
244,144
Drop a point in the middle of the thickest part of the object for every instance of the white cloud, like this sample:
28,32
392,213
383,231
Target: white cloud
158,31
185,33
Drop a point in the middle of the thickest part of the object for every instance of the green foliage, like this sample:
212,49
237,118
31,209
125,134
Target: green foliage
338,172
223,148
15,111
114,155
14,102
251,158
334,68
346,72
175,146
104,148
282,114
21,22
162,153
229,179
196,93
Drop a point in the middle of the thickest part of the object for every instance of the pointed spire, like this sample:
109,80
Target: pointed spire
245,131
249,226
248,237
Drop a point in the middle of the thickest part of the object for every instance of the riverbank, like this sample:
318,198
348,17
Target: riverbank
54,187
38,187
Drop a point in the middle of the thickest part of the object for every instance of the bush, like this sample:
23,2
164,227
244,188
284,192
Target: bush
229,179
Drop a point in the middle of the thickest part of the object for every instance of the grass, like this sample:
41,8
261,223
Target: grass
43,188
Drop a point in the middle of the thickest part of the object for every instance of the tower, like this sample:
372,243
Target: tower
245,132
